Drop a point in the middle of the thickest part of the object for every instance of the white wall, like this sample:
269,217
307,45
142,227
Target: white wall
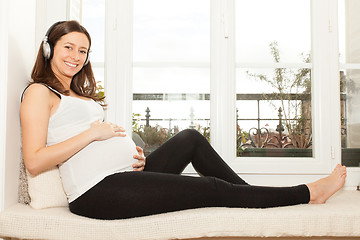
47,13
3,84
23,24
18,36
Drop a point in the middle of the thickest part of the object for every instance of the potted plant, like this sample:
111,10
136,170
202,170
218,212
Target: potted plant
293,89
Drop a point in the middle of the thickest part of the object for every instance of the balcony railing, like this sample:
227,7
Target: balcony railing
256,136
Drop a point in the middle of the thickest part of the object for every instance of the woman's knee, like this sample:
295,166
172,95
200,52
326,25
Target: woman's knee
190,134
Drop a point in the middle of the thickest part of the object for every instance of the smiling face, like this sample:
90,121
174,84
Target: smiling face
70,53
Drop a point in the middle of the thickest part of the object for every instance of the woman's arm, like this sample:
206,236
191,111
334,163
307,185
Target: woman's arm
35,112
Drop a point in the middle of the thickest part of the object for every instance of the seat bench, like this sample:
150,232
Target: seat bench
339,217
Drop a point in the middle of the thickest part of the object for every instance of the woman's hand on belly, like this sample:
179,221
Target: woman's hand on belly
105,130
140,165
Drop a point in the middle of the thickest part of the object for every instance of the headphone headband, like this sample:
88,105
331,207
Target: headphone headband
52,27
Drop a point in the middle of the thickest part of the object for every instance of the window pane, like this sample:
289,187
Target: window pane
93,19
261,22
350,117
270,32
276,113
349,31
171,30
171,80
350,81
167,99
172,94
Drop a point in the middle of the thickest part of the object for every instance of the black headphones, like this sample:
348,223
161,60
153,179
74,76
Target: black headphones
48,48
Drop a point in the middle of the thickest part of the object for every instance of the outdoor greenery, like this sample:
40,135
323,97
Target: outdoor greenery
241,139
100,92
293,88
154,136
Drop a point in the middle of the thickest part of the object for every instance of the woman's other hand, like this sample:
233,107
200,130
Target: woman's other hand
105,130
140,165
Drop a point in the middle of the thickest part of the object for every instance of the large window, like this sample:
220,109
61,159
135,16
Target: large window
273,78
262,74
171,74
350,81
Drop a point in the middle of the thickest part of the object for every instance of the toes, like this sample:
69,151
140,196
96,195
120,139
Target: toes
338,165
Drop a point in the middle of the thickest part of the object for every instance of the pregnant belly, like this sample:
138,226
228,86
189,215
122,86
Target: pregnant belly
96,161
99,157
116,152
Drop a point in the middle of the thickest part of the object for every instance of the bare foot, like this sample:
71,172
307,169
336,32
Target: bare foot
323,189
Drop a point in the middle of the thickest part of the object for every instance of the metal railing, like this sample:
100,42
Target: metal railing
257,136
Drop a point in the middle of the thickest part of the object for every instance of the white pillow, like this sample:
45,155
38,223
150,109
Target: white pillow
46,190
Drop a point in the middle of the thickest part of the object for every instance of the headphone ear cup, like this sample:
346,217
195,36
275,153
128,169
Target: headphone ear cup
47,50
47,47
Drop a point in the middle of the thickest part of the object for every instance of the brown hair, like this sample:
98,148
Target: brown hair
83,83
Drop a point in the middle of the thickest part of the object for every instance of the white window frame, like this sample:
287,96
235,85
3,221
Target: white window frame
118,61
325,80
325,102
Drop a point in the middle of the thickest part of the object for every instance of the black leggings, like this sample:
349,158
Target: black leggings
160,188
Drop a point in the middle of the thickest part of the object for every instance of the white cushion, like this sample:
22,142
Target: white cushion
46,190
339,217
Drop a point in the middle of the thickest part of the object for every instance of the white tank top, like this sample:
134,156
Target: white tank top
97,160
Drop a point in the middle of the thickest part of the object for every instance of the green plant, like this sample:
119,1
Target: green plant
293,88
205,131
100,92
156,136
240,140
153,136
135,122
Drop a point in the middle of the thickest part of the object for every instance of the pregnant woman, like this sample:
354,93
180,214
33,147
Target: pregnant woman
103,173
